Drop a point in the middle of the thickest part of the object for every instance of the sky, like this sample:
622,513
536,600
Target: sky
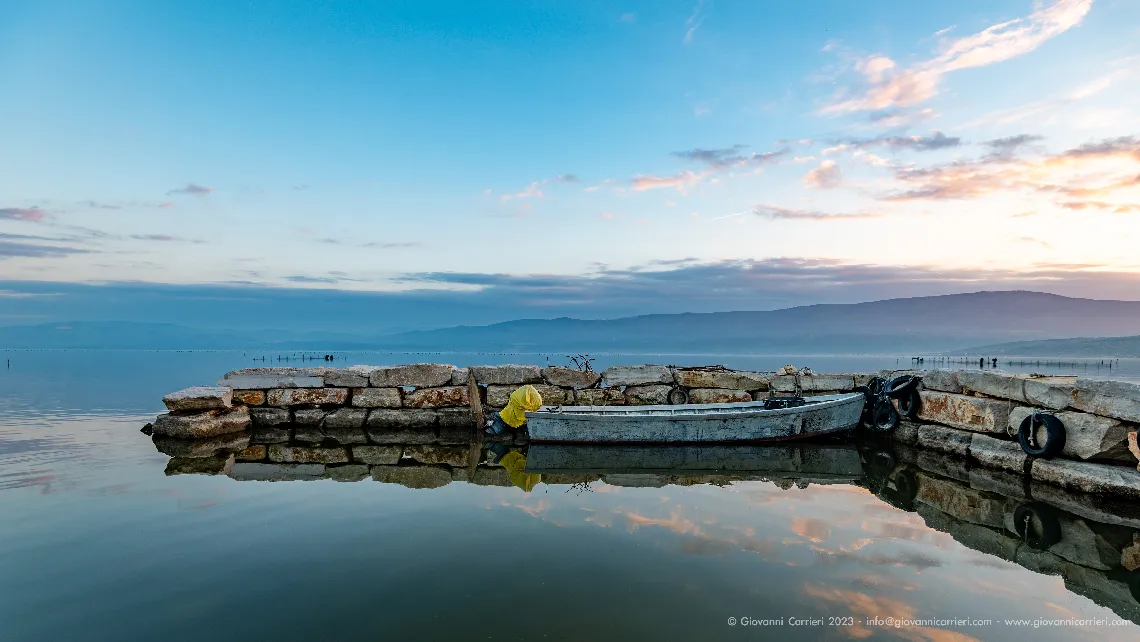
581,158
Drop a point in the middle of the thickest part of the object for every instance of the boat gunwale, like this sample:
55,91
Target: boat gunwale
688,412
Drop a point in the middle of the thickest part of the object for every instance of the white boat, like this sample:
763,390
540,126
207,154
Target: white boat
753,421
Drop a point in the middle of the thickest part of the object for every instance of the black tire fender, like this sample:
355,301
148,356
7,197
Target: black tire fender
906,485
1054,435
885,418
910,404
678,396
1037,525
900,386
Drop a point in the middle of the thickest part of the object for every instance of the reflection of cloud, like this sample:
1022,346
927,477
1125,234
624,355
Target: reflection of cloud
815,530
862,606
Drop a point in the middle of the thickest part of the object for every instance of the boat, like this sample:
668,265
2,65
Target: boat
778,419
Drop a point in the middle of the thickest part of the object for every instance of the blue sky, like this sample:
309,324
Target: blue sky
464,147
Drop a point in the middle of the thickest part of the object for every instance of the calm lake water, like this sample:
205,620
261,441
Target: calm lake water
101,540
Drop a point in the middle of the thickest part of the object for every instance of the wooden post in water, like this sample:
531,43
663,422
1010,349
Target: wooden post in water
477,416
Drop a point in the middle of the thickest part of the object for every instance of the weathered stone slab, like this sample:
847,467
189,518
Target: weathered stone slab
345,436
451,418
636,375
376,398
493,476
1134,446
216,465
1048,392
377,455
976,414
207,423
269,416
417,477
599,397
432,454
311,435
1104,509
1116,399
726,379
1087,477
250,471
459,377
943,439
253,453
269,436
199,398
346,472
506,375
717,395
309,416
401,419
456,436
997,453
1086,436
943,464
941,381
498,396
1130,555
1080,544
1001,482
400,436
906,433
306,396
249,397
447,396
984,539
345,418
262,378
962,502
419,375
570,377
647,395
207,447
1106,590
350,377
301,455
814,383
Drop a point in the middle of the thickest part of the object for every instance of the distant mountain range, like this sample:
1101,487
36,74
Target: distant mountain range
920,324
1088,347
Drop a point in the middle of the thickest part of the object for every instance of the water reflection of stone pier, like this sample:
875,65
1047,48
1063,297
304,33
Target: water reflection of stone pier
1092,542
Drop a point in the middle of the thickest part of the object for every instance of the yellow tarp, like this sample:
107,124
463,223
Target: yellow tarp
515,463
525,399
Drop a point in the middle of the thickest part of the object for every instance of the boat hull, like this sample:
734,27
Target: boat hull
695,423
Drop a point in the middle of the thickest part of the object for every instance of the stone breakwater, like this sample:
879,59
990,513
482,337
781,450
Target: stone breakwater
967,414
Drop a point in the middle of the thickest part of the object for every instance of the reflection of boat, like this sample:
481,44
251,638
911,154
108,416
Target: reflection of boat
752,421
815,463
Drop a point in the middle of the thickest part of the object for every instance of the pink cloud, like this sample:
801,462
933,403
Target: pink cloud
826,176
31,214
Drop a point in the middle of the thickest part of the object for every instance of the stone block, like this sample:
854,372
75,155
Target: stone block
943,439
1133,446
269,436
262,378
726,379
976,414
350,377
985,539
599,397
493,476
962,502
717,395
906,433
459,377
1086,477
216,465
345,436
941,381
401,419
444,397
506,375
311,435
497,396
283,453
433,454
249,397
1001,482
647,395
1116,399
269,416
345,418
281,397
207,423
250,471
943,464
199,398
253,453
206,447
1049,392
309,416
636,375
1086,436
997,453
451,418
376,398
418,477
570,377
814,383
346,472
419,375
456,436
1130,555
377,455
400,436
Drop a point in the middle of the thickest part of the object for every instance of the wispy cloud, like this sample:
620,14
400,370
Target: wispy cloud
935,141
32,214
392,245
18,249
1009,145
695,19
888,86
680,181
628,17
826,176
729,157
773,211
191,189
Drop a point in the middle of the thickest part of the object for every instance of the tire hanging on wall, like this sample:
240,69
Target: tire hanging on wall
678,396
1037,525
884,417
901,386
909,404
1054,435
